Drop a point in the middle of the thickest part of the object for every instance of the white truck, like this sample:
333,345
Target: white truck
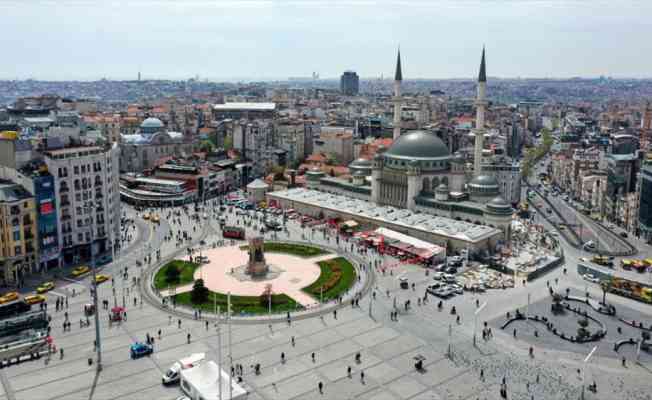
173,374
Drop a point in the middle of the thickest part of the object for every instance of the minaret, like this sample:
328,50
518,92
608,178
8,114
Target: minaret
481,105
398,77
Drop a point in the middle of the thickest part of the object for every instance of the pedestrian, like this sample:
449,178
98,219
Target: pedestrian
313,357
282,358
348,371
179,323
514,332
61,353
362,377
335,314
206,324
320,385
159,334
481,374
292,341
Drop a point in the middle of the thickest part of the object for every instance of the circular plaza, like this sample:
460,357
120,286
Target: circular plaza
275,277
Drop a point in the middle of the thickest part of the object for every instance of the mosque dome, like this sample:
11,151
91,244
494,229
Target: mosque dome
152,123
420,145
498,205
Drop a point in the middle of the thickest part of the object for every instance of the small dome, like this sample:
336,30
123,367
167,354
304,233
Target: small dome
360,163
498,205
152,123
418,145
359,174
442,188
485,181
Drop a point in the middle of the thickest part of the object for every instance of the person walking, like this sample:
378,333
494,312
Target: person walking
313,357
320,386
362,377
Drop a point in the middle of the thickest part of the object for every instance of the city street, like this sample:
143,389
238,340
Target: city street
387,347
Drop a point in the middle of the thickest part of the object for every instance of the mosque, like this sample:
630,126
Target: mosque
418,173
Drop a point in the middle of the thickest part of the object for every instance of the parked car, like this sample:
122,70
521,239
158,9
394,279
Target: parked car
45,287
139,349
9,296
34,299
81,270
438,276
403,282
591,278
99,278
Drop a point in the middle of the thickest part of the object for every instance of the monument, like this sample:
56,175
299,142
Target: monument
256,266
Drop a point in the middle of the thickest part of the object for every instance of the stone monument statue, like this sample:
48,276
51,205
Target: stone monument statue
256,266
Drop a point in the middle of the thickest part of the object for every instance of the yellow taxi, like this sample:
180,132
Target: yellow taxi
9,296
99,278
146,216
155,218
34,299
45,287
81,270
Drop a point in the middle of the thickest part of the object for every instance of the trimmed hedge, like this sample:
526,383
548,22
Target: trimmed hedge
336,277
240,304
186,269
299,250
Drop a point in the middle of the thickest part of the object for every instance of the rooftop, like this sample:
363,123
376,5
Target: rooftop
245,106
401,217
10,192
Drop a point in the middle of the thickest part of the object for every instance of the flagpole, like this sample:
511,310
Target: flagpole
230,354
219,353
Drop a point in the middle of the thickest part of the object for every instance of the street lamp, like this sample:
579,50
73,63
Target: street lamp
475,320
586,360
90,206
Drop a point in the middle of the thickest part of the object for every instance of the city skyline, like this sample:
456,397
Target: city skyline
270,40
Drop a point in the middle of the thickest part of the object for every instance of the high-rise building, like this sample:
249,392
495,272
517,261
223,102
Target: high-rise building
18,242
87,194
350,83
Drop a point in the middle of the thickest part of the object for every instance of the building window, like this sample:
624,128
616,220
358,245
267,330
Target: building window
76,169
18,250
16,236
80,237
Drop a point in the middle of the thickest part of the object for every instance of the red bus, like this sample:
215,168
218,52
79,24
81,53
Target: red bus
233,232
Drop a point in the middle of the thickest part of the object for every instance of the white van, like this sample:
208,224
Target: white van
173,374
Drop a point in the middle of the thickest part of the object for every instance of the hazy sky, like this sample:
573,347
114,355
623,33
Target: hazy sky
252,39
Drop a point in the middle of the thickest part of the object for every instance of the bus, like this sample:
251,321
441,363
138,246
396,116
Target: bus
14,308
233,232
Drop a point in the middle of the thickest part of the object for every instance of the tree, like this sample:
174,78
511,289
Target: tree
199,292
556,303
582,332
606,287
172,274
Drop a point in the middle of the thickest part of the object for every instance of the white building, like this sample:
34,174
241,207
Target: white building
86,176
141,150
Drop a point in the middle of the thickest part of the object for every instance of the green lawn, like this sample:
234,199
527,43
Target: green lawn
241,304
187,271
337,276
292,249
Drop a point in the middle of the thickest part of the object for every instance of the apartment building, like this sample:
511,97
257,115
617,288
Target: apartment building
88,198
18,241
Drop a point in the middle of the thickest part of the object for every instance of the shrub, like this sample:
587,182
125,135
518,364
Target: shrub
199,292
172,274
